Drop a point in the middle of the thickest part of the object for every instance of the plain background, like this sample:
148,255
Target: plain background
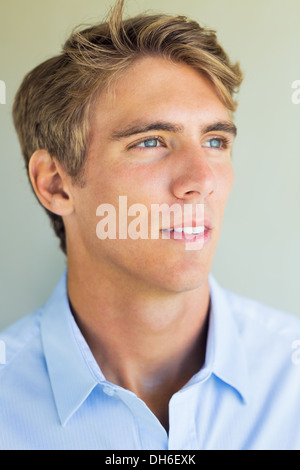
258,254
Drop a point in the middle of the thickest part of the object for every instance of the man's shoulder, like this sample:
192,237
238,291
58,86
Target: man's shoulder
267,333
251,313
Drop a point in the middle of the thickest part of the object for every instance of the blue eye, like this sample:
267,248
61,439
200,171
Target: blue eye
148,143
218,143
213,143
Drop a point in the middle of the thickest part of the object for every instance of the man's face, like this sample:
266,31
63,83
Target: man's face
160,135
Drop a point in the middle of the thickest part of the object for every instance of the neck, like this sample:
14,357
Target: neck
148,342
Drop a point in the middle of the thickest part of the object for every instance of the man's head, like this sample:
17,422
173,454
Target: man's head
53,109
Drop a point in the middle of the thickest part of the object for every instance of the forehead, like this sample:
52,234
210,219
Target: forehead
155,88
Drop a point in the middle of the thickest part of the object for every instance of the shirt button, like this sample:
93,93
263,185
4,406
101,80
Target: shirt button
108,390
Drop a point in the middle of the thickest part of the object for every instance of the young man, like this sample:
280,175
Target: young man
139,347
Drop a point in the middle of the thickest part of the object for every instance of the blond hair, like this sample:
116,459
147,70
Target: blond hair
51,107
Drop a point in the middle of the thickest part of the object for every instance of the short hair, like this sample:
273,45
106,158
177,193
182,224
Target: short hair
52,106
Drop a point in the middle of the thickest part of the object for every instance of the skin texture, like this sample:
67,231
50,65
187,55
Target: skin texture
143,304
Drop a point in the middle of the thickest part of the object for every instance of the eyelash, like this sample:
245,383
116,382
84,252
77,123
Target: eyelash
223,141
136,145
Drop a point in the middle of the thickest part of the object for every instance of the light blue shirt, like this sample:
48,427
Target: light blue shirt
53,394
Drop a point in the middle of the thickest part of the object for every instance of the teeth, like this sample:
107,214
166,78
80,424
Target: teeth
190,230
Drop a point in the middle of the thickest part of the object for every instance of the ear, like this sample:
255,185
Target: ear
50,183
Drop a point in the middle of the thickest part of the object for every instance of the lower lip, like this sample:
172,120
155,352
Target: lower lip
181,237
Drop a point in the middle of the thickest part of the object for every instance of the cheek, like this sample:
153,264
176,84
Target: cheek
140,183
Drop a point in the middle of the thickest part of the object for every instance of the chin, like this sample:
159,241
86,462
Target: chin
178,281
186,285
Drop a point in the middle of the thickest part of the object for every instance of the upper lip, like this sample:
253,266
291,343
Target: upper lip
191,223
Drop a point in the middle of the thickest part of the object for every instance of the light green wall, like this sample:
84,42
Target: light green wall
259,251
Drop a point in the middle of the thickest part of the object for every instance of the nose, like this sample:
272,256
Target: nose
193,176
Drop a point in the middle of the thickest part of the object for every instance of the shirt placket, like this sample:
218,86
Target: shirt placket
150,433
182,412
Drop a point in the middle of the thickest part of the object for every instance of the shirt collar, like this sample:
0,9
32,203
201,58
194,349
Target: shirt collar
67,360
225,353
64,359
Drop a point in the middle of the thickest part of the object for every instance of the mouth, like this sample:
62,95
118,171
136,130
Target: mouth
199,234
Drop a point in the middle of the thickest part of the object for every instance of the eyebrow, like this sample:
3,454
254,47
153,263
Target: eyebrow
144,127
225,126
140,128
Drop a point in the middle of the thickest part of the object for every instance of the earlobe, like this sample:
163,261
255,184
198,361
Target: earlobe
50,184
